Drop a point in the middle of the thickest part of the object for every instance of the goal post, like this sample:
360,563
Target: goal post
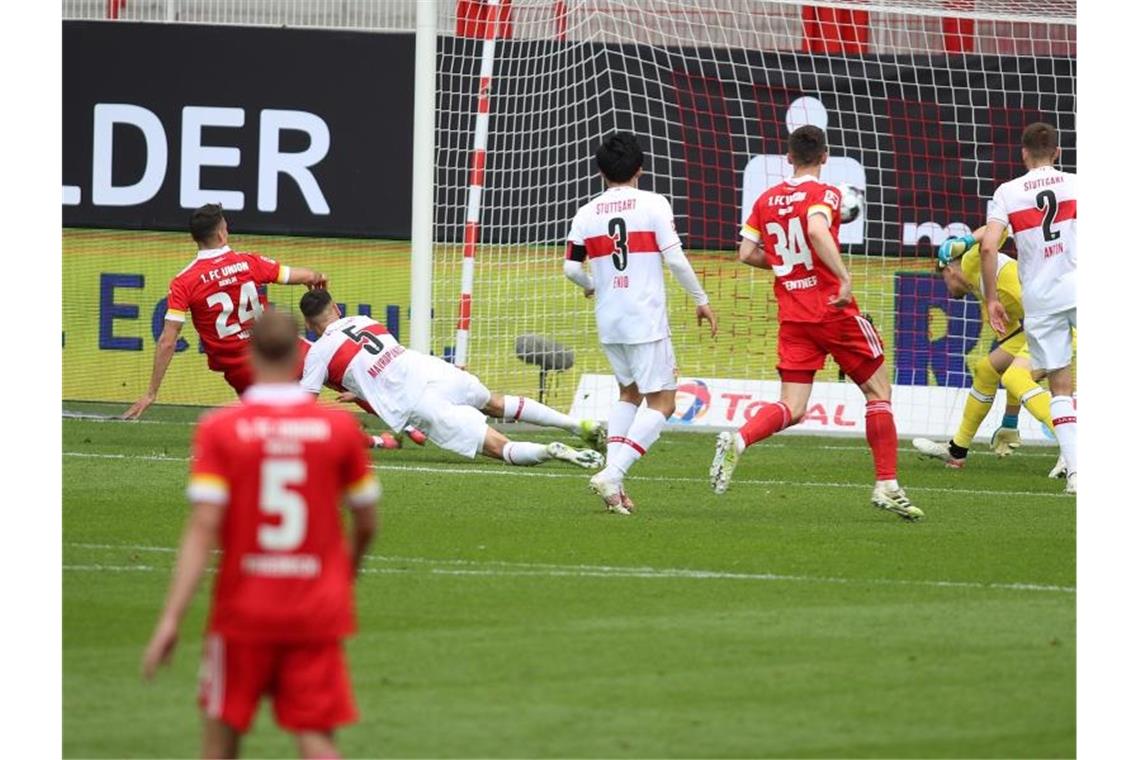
923,103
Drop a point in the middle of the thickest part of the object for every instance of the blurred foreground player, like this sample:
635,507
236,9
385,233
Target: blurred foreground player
223,292
267,478
359,356
629,237
794,231
1041,208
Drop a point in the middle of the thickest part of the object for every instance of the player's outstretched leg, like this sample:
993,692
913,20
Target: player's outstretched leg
526,454
883,438
523,409
978,403
770,420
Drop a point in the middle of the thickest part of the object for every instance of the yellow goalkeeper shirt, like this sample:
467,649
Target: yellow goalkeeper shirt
1008,284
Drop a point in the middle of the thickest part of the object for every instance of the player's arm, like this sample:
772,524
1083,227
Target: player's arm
163,353
574,265
669,243
361,495
198,540
310,278
991,241
824,245
751,250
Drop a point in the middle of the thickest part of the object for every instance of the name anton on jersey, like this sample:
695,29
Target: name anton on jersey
226,271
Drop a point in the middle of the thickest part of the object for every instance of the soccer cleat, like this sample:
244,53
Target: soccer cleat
386,441
895,501
1060,470
1071,483
587,459
723,463
627,502
611,493
418,436
593,433
929,449
1004,441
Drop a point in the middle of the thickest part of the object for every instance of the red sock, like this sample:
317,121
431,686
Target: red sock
884,439
768,421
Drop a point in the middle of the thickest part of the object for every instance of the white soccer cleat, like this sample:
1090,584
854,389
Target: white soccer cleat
929,449
584,458
1071,483
723,463
1060,470
896,501
593,433
611,493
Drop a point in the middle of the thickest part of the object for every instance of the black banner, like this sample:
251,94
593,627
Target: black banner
293,131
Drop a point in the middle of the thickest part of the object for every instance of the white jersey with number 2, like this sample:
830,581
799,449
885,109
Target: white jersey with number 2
625,230
1041,208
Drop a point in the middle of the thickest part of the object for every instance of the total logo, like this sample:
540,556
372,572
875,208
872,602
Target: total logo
693,400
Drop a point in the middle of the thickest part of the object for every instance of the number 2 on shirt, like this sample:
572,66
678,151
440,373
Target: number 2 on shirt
791,246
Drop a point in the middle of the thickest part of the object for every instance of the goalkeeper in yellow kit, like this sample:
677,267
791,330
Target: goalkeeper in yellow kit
959,261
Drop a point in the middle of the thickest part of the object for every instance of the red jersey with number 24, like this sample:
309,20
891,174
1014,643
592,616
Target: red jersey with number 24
223,291
280,464
779,223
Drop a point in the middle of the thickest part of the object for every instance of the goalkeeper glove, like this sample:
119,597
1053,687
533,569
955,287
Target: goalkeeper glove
954,247
1004,441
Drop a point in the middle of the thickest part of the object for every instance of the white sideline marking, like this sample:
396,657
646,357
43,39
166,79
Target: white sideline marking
862,447
518,472
502,568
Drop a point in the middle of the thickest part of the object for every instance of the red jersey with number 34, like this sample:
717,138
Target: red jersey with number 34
779,223
280,464
223,291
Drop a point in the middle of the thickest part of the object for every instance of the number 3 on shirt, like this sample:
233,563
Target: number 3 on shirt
620,236
791,246
249,308
277,499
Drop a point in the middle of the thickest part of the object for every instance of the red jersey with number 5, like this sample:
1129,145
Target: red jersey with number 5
223,291
281,464
779,223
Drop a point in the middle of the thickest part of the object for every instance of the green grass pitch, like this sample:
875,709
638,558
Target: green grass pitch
503,613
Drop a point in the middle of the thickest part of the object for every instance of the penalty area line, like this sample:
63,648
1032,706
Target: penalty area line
516,472
506,569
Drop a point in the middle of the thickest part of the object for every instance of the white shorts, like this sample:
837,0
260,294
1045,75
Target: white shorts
1051,339
449,409
651,367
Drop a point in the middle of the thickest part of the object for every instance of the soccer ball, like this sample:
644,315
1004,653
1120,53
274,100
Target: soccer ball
851,202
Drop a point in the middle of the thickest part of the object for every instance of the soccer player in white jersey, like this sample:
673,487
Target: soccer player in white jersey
359,356
627,234
1041,208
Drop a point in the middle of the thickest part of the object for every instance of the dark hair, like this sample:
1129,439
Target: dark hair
619,157
1040,140
314,302
204,222
273,338
807,144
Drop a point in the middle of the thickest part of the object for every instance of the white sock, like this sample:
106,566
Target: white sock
1064,414
526,409
621,417
644,431
524,454
889,485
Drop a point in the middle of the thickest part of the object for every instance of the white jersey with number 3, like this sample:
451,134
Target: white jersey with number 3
624,231
1041,208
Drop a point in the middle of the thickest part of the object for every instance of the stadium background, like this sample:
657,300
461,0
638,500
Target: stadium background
930,105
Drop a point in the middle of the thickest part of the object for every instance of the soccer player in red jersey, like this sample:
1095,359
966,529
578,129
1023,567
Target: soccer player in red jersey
267,478
794,231
223,292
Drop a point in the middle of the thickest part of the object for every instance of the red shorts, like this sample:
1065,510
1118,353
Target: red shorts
308,682
240,376
853,341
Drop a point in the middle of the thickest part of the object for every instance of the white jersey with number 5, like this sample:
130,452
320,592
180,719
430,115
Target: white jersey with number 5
624,231
1041,208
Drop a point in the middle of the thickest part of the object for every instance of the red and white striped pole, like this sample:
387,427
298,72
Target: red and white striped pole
475,183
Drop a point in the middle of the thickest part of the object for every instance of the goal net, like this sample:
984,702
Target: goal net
923,103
